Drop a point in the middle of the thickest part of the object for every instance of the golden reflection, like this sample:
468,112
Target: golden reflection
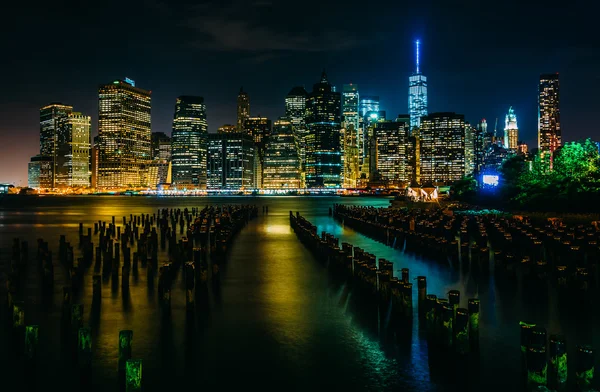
277,229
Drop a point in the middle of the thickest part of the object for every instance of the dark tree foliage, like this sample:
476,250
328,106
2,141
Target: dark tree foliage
570,182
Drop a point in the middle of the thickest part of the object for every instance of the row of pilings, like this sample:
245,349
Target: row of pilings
452,331
544,361
204,238
507,243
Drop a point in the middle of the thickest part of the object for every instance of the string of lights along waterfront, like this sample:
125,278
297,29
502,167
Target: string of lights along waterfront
328,139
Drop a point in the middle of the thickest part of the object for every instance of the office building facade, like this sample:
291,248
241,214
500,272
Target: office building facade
442,148
230,162
295,111
189,143
323,142
391,140
281,168
72,163
124,129
50,116
549,129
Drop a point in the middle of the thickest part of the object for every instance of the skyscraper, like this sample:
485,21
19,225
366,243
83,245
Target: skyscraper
259,128
368,103
442,145
72,158
282,162
243,109
50,116
469,149
189,143
323,152
481,141
391,138
417,94
350,105
511,131
160,168
549,132
295,111
124,127
230,161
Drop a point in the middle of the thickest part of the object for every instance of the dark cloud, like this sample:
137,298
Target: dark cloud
263,26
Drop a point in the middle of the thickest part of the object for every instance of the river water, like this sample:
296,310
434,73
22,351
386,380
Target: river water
278,321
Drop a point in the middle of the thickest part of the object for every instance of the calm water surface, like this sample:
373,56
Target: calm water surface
278,320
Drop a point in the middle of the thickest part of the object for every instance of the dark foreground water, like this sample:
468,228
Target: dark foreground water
278,322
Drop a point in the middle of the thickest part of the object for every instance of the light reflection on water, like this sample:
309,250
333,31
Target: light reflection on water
279,321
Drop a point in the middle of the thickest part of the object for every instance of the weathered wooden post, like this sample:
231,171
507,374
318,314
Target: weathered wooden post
31,343
473,307
584,368
133,375
461,331
422,294
84,348
557,369
125,343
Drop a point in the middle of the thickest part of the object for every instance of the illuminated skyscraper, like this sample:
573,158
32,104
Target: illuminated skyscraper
259,128
160,169
481,140
72,162
282,162
350,105
323,144
124,128
391,138
243,109
417,94
295,110
230,161
189,143
50,115
442,148
39,172
469,149
511,131
549,131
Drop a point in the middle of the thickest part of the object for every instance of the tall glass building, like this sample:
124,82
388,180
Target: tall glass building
511,131
549,131
350,105
189,143
50,115
295,111
442,148
323,143
73,146
243,109
417,94
282,161
124,128
230,161
368,103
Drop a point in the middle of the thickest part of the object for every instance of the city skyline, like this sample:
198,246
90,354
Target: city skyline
472,70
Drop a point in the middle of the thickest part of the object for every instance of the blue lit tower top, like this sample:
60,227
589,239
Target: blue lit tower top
417,92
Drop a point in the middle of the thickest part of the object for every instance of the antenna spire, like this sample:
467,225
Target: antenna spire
417,43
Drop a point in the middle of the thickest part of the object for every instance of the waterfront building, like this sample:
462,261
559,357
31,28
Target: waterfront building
189,143
417,93
350,106
39,172
391,142
243,109
230,161
351,168
161,146
94,157
549,130
50,115
482,138
442,148
323,143
511,131
72,153
281,168
227,128
124,128
259,128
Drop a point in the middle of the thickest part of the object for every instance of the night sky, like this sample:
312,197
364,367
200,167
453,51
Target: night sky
479,57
